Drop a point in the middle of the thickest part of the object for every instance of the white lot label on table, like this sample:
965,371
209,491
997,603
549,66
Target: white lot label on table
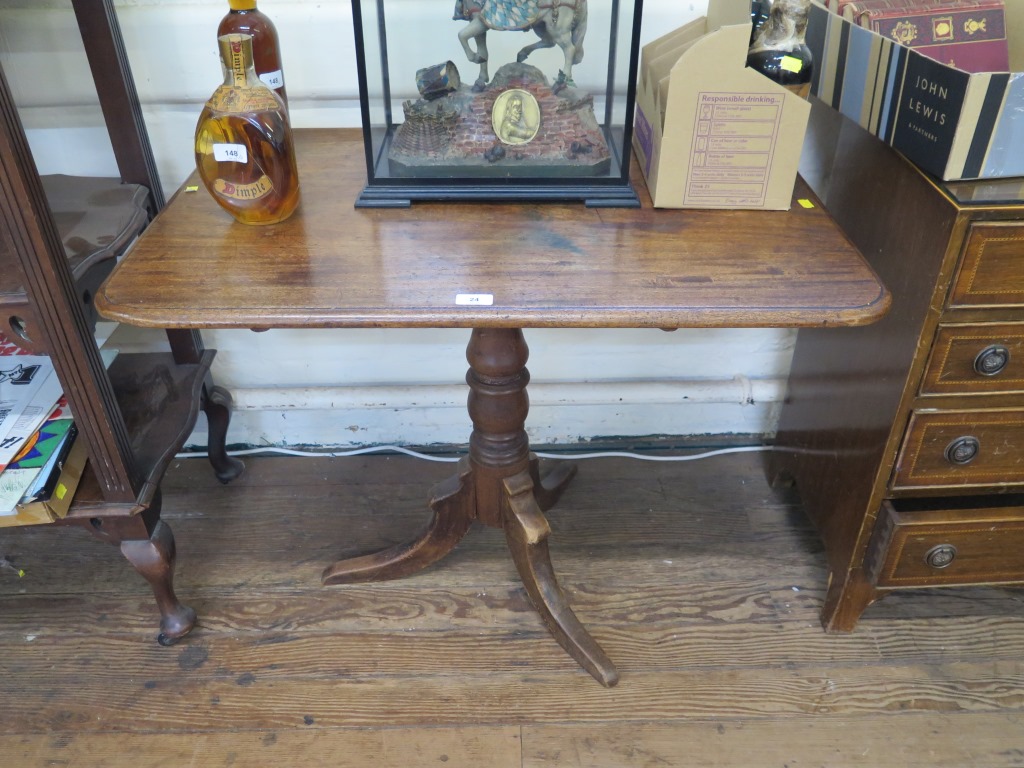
474,299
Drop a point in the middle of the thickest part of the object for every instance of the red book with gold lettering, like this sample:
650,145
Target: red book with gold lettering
967,34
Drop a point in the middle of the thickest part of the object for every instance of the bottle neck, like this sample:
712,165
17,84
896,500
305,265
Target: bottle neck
236,55
242,5
785,27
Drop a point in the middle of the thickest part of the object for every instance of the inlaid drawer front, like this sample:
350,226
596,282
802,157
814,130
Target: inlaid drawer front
962,448
961,546
991,272
976,359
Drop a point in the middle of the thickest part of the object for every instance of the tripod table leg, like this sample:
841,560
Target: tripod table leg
548,489
452,503
526,531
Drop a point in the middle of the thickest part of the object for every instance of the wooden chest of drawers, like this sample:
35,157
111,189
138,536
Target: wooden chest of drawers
906,438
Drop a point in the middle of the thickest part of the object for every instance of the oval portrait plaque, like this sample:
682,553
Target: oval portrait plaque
515,117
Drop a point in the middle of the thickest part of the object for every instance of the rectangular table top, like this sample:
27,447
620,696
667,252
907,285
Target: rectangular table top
545,264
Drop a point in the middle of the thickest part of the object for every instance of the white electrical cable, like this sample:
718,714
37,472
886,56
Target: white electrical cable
646,457
429,457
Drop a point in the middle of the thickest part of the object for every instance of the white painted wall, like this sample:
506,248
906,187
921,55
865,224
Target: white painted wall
371,386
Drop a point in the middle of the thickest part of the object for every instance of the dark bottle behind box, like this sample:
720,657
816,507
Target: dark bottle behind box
244,149
245,18
779,51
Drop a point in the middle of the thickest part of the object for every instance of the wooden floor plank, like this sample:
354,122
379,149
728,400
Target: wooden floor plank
387,748
204,703
737,646
925,740
419,604
467,589
278,519
462,570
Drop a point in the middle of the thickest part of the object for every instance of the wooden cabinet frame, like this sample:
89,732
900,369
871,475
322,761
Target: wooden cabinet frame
130,442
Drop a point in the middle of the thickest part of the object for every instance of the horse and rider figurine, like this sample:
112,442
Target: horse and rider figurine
556,22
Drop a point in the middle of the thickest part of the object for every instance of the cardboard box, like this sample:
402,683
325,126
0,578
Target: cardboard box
56,507
953,124
709,132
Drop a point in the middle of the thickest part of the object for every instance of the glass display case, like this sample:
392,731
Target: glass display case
457,107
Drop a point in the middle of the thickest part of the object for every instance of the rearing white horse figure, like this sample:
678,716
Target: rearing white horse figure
556,22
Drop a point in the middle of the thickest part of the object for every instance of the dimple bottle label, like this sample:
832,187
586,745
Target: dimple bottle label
253,191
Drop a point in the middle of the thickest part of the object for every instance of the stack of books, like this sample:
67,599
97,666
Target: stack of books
41,461
967,34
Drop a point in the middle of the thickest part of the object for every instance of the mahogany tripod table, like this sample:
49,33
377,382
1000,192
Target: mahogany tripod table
543,265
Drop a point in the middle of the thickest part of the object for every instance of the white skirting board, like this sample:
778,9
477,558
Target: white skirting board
562,413
406,386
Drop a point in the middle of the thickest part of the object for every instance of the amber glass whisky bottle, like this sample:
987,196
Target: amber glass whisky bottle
244,149
779,50
245,18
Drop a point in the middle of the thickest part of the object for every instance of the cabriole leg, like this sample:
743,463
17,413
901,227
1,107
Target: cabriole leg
217,405
154,559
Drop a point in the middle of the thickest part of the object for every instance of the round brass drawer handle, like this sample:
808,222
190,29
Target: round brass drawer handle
963,450
940,556
991,360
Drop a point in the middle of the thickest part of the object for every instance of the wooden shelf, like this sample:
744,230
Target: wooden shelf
160,401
